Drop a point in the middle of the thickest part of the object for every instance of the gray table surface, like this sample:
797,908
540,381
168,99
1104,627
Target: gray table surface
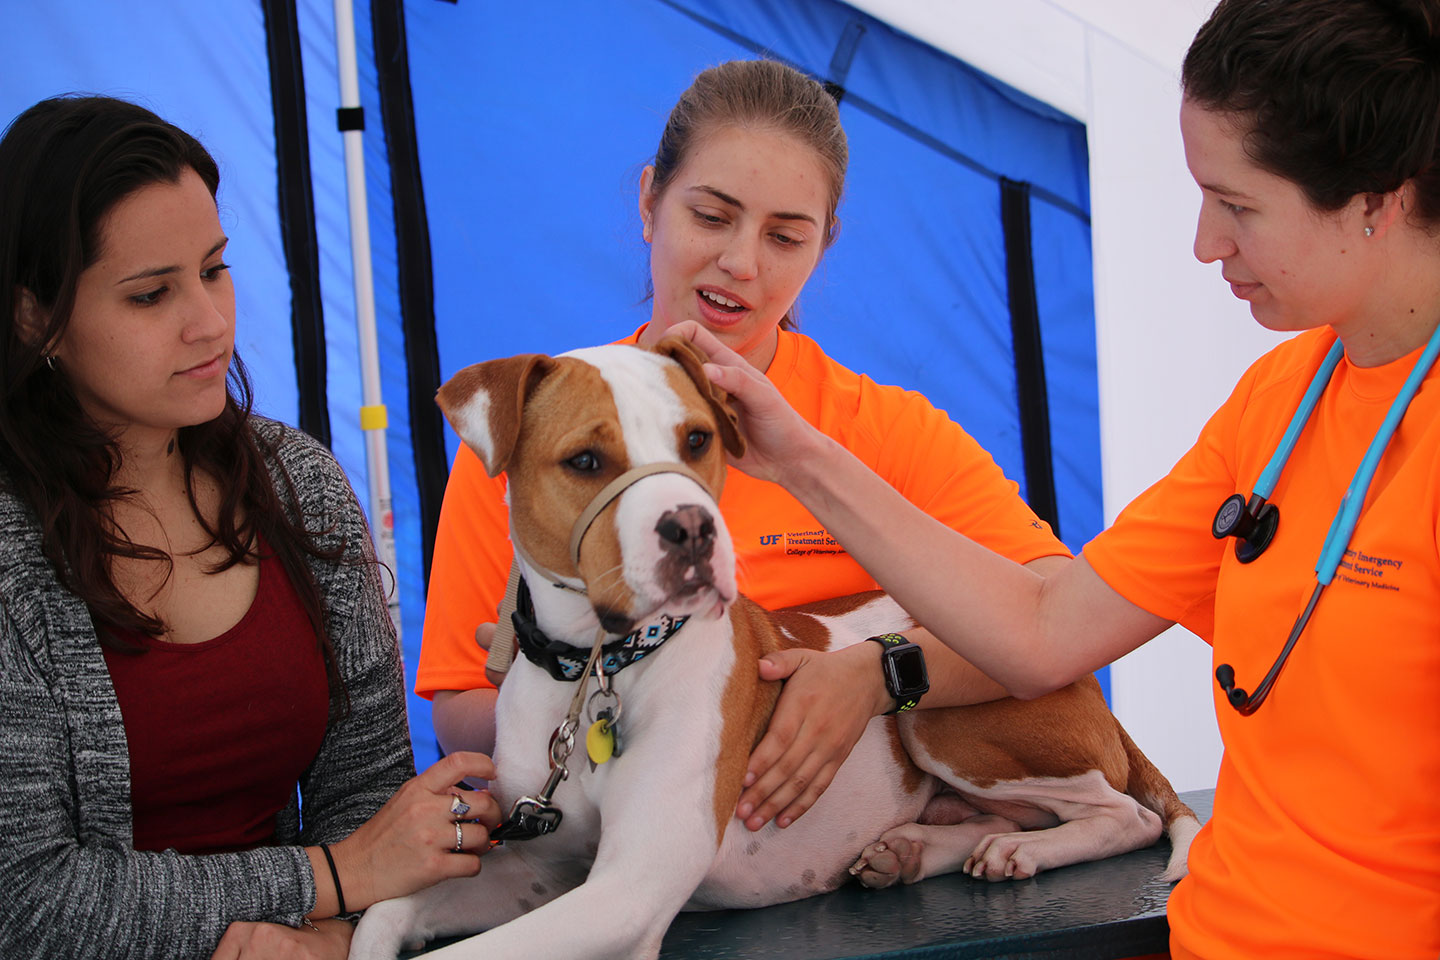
1090,911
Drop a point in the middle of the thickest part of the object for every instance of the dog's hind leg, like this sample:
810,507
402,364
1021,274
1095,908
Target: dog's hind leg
1057,766
914,851
1108,827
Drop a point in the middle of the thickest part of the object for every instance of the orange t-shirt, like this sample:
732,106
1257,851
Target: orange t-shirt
784,556
1325,839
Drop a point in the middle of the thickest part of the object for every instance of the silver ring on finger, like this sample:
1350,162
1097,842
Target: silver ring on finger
459,838
458,808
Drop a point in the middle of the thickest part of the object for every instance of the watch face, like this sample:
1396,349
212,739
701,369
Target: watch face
908,668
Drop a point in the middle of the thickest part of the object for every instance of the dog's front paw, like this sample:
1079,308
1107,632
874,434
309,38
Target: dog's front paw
380,935
892,858
1005,856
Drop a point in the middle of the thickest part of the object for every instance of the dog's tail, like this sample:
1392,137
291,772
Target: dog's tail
1149,786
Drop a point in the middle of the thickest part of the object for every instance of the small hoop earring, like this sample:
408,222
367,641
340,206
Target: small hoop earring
50,362
1369,231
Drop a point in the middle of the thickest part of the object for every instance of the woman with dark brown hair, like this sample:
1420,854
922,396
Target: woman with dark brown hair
193,639
1312,128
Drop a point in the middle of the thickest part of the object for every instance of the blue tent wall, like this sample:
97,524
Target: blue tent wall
531,129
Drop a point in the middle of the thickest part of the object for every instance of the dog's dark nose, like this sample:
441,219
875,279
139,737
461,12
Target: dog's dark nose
688,530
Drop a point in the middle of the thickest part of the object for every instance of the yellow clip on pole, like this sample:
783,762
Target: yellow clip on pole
374,417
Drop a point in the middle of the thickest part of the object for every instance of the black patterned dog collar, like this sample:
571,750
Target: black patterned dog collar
564,662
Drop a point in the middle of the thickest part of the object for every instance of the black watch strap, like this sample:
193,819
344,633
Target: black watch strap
903,663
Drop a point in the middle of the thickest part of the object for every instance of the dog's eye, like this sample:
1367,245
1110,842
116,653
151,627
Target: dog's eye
585,462
698,441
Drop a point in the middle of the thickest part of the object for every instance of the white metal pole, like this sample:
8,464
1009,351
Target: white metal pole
373,417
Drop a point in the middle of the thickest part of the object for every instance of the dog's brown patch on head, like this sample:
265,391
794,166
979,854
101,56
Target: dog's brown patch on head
537,418
1062,734
691,361
569,421
504,384
699,419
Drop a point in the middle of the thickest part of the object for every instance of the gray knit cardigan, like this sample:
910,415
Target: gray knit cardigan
71,886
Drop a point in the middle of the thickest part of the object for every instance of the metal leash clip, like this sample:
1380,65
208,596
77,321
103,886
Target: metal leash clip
532,817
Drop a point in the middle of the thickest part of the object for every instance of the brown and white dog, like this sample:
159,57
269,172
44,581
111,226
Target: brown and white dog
1002,790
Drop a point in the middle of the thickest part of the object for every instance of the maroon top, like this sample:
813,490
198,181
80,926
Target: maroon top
220,731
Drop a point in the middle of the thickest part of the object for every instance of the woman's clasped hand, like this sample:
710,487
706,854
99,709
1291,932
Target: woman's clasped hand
429,831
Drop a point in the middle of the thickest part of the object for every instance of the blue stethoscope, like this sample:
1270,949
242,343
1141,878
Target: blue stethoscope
1253,522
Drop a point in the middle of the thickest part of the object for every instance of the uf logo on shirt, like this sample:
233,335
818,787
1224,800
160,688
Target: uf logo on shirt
770,539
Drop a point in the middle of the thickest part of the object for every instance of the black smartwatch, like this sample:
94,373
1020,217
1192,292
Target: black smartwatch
904,665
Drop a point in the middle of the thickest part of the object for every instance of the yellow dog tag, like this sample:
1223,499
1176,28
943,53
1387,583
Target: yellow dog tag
600,741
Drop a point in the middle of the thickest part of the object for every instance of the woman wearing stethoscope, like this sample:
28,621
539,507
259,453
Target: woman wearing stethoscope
1313,130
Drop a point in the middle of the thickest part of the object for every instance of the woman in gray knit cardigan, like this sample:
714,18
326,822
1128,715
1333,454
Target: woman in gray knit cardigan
193,640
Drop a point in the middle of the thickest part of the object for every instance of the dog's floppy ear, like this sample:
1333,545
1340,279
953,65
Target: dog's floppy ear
483,402
688,355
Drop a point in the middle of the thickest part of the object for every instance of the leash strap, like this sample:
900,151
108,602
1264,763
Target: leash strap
502,646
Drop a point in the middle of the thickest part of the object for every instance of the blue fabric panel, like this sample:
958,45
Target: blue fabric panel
214,83
1064,291
532,143
935,94
990,123
1060,245
802,34
913,292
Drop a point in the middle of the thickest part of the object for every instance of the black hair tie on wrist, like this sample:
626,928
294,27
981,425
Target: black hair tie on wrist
334,875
